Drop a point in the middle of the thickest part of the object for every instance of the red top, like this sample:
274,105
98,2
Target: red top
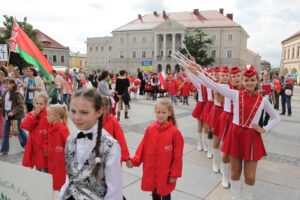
113,80
37,140
57,138
186,89
173,87
113,127
161,153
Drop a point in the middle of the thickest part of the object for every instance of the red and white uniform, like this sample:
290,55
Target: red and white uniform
242,140
113,83
160,151
135,84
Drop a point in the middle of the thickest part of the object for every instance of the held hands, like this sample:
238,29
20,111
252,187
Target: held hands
129,164
172,180
258,128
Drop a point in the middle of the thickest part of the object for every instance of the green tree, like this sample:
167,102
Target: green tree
197,46
15,58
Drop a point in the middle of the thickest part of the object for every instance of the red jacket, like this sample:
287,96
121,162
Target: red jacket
161,153
57,138
113,127
37,140
186,89
173,87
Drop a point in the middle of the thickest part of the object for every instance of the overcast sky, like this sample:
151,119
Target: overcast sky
70,22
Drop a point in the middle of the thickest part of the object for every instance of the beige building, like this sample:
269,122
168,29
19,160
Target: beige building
77,60
153,37
290,59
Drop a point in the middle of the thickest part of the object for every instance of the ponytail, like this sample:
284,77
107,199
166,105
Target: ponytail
61,111
97,149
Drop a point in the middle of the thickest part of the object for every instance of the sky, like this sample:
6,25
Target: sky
71,22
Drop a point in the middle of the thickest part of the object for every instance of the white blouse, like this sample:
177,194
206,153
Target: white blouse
112,171
234,96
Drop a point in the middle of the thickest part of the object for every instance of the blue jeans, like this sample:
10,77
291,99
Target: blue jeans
67,98
156,196
286,100
5,133
186,100
173,99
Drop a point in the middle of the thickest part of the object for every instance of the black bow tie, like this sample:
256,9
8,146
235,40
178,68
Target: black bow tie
82,135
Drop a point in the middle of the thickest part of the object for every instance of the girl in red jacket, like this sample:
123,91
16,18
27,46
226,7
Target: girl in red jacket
58,133
173,88
113,127
37,125
185,91
161,153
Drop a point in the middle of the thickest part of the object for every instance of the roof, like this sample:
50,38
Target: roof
252,52
292,36
205,19
77,54
48,42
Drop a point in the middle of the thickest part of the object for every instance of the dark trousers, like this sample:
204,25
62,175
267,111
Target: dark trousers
142,88
53,101
276,106
156,196
186,100
286,100
263,121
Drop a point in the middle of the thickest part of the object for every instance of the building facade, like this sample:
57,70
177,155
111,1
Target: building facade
155,36
77,60
290,59
57,54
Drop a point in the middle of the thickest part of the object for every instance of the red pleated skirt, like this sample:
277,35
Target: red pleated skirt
198,110
206,110
215,121
243,143
226,121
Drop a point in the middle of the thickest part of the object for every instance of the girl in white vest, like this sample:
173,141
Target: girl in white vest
92,155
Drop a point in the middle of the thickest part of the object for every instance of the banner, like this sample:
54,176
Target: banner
147,66
3,52
22,183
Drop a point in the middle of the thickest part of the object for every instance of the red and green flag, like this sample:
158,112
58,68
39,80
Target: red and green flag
23,45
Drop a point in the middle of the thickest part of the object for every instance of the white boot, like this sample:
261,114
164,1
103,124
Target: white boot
216,160
225,167
200,143
236,190
204,141
209,149
247,192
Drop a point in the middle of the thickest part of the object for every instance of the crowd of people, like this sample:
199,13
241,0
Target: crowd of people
233,109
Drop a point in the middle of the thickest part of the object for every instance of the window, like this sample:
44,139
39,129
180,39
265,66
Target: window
143,54
121,40
161,53
229,36
102,48
144,39
288,56
298,51
121,54
133,39
202,37
292,53
284,55
80,63
170,52
213,54
213,37
97,49
73,61
62,59
54,58
109,48
229,54
91,49
133,54
152,53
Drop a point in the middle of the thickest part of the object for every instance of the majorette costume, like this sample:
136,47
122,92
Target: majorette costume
136,83
154,83
242,140
113,83
209,104
148,87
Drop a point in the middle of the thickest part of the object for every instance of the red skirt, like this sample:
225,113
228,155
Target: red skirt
198,110
243,143
148,88
216,120
226,121
205,114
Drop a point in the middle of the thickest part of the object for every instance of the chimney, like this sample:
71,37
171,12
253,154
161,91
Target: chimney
230,16
140,17
221,10
196,12
155,14
165,15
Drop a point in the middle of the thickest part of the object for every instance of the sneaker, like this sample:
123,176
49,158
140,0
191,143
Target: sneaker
199,148
282,113
3,153
209,155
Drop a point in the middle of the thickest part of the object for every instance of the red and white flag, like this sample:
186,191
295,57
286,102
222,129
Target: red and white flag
162,79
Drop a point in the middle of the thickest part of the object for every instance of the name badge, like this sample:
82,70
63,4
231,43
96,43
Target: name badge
30,95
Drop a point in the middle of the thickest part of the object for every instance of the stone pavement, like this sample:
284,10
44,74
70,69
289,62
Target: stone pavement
278,174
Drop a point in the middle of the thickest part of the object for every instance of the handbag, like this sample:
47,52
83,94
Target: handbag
14,127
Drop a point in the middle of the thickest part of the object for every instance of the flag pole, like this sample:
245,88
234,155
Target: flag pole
8,58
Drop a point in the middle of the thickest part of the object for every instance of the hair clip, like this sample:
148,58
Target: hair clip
97,160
